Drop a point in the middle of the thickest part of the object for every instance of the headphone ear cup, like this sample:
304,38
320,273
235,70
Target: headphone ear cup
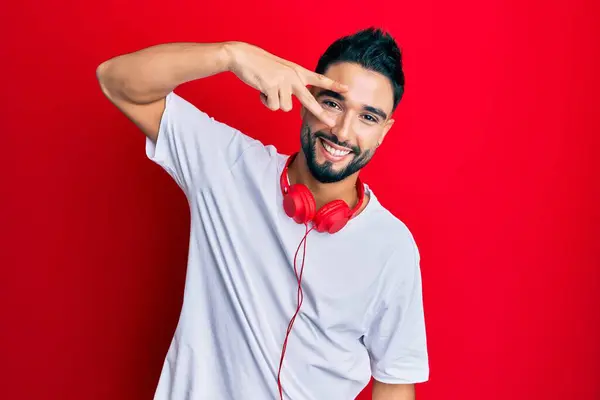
299,204
332,217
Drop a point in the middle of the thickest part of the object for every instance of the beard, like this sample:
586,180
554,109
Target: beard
324,172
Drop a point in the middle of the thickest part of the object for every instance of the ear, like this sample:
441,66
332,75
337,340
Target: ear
386,128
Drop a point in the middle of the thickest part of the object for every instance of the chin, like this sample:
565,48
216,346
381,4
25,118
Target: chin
327,162
335,167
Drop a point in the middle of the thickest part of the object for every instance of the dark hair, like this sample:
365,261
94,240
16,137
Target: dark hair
371,48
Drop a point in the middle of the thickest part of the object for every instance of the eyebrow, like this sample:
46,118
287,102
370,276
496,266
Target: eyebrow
340,97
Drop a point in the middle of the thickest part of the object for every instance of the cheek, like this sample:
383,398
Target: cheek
312,123
368,140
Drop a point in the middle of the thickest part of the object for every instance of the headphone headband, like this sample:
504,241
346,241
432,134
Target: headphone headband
285,185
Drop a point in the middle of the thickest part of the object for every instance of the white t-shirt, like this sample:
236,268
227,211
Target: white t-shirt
362,313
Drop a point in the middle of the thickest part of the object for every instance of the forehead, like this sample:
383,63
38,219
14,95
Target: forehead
366,87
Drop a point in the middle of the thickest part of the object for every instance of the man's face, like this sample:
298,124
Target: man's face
362,117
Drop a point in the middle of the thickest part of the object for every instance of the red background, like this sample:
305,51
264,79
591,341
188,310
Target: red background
493,164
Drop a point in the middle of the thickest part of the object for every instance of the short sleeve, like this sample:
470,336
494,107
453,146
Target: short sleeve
194,148
396,340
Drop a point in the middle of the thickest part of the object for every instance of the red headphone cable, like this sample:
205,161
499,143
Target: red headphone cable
299,299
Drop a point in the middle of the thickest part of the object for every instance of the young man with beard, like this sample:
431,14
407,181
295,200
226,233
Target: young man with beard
266,313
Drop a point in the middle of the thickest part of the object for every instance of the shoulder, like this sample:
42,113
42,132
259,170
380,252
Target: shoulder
394,238
388,228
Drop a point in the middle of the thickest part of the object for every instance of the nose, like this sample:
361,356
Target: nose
341,129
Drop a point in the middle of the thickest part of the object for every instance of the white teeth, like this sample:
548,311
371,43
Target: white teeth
334,152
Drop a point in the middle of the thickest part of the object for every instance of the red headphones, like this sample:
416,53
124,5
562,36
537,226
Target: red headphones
299,204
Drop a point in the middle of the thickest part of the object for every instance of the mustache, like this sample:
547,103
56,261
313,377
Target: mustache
333,139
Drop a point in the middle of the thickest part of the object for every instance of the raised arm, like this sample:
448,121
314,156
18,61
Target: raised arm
137,83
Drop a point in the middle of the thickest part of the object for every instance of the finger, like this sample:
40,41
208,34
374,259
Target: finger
326,83
313,106
263,99
285,98
273,99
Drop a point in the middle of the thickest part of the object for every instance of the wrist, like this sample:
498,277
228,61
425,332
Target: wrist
230,53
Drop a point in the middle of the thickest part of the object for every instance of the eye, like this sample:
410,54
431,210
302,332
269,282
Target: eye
331,104
371,118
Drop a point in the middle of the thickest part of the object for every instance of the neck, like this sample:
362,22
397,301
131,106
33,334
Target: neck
323,193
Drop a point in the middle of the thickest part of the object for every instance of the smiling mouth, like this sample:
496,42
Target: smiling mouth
334,150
